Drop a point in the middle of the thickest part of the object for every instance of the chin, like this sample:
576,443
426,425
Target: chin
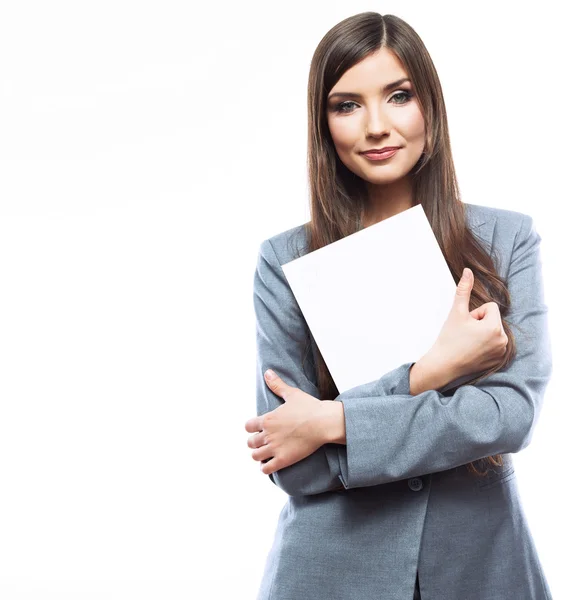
382,172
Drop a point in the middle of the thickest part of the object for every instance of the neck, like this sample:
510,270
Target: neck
385,201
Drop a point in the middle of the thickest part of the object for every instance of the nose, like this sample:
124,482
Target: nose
377,123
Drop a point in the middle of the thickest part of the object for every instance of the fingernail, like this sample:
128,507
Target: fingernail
269,374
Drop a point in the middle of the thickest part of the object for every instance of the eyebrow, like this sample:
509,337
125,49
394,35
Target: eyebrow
385,88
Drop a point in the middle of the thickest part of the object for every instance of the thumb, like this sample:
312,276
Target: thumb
463,291
275,383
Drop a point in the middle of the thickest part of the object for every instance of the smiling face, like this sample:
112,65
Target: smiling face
363,114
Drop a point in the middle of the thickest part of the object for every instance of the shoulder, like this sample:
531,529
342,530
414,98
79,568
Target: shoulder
507,223
508,234
287,245
502,225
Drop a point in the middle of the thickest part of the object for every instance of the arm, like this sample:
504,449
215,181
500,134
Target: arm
394,435
281,334
391,434
422,377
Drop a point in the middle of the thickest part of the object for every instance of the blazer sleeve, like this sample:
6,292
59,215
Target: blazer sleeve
390,434
281,333
394,435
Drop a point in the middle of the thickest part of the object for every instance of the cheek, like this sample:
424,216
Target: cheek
412,124
344,132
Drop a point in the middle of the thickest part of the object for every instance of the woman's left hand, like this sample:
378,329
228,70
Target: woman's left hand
289,433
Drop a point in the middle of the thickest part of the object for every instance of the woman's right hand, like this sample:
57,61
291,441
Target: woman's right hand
469,342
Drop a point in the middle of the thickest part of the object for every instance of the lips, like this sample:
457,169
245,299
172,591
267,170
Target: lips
381,150
380,157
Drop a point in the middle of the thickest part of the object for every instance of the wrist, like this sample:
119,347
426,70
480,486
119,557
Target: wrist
332,422
429,373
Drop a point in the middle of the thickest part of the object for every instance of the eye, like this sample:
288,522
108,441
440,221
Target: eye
339,107
406,95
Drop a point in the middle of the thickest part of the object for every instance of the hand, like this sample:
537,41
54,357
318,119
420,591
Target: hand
289,433
469,342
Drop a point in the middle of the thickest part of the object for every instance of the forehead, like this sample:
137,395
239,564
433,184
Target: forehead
372,72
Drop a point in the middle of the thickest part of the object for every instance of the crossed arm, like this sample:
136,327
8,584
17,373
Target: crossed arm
390,433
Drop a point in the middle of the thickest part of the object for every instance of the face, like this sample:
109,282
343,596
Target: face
362,115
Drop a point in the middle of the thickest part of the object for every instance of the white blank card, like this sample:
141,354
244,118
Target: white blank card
375,299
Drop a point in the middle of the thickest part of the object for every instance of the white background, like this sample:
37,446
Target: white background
146,149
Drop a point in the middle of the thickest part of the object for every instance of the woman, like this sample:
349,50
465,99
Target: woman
394,487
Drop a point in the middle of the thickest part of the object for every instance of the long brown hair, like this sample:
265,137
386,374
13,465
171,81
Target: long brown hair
337,195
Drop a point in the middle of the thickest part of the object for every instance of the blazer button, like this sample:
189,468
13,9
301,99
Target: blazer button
415,483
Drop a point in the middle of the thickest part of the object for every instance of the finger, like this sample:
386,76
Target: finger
479,313
493,313
257,440
263,453
254,425
463,291
483,310
269,467
276,384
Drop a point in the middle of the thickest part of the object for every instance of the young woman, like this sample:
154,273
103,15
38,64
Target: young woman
394,487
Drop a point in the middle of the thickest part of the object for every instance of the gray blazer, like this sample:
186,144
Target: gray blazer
362,520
